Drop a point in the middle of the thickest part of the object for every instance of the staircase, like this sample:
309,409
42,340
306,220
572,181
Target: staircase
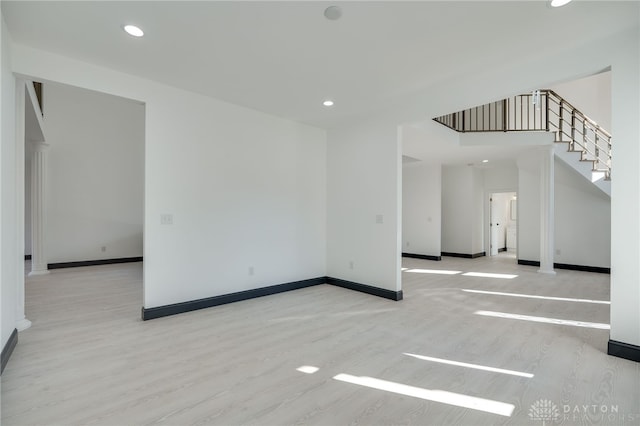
587,145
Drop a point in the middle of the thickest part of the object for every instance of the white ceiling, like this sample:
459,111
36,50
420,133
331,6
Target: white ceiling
434,143
285,58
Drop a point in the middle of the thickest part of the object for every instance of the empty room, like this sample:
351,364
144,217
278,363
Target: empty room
320,213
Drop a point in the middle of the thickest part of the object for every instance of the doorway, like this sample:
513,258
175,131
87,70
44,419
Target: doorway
503,220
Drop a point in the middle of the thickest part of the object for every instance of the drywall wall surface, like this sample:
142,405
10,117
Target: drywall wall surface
8,220
529,206
591,95
477,211
625,197
95,184
582,216
502,177
364,204
582,220
245,191
457,209
421,208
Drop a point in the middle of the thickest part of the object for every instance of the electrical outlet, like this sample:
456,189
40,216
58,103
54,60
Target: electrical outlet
251,271
558,252
351,264
379,218
407,243
103,249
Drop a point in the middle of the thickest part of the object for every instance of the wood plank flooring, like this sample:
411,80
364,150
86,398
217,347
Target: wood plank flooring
88,359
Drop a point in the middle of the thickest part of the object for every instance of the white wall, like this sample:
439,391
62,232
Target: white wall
96,174
529,206
502,177
456,209
625,197
582,216
8,220
364,181
462,210
582,220
245,189
477,211
591,95
421,208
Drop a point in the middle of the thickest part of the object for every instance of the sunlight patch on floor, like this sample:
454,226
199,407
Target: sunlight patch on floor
544,320
489,275
433,271
467,365
451,398
533,296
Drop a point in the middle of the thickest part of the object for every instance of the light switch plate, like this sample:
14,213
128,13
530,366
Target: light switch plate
166,219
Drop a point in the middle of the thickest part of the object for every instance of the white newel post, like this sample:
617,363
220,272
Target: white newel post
38,207
547,195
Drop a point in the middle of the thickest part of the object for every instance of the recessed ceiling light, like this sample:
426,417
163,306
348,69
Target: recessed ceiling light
558,3
328,103
333,13
133,30
485,161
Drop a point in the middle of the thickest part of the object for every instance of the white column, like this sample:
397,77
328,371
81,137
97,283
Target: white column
38,208
547,230
625,201
22,323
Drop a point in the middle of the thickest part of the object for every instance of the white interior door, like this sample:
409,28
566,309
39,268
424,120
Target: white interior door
493,226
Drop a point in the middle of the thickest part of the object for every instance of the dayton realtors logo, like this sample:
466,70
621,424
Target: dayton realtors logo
545,411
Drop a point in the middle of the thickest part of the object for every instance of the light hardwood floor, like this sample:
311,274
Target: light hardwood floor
89,359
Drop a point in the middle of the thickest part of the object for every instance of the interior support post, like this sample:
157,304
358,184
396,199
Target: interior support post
38,206
547,228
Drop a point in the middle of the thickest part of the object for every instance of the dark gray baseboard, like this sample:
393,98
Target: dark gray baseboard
93,262
8,349
623,350
193,305
464,255
375,291
500,250
597,269
421,256
528,262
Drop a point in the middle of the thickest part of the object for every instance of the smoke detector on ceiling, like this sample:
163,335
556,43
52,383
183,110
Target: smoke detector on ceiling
333,13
